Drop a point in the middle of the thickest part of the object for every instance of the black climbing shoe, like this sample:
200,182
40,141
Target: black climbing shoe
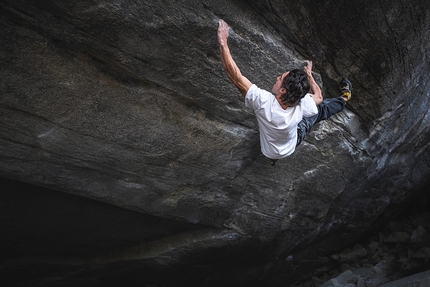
345,88
273,162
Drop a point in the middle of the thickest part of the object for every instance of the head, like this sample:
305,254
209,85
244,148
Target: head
291,87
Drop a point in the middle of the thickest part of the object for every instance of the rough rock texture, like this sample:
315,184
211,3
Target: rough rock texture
125,102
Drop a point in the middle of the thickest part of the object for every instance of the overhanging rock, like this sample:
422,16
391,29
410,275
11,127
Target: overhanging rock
127,103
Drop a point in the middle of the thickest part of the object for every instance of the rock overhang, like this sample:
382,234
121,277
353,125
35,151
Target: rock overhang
128,104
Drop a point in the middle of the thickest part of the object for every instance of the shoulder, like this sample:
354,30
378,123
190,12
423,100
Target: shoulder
256,96
308,105
255,91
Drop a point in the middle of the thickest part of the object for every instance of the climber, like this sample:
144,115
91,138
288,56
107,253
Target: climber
296,105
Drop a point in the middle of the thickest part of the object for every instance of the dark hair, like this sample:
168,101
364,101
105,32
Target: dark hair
297,85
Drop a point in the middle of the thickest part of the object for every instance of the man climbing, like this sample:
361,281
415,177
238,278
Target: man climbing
296,105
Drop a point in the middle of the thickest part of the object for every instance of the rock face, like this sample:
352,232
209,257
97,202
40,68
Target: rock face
126,103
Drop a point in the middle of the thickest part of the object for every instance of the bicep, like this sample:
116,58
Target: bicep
233,72
243,84
240,81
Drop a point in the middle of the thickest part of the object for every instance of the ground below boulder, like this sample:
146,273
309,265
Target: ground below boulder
398,250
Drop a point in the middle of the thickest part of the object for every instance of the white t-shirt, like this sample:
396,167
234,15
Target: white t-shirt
278,127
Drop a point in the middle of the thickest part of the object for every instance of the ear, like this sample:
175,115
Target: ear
283,91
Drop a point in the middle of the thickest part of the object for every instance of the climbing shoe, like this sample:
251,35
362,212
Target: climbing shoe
273,162
345,88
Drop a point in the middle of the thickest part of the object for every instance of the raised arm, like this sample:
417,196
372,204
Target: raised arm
315,89
229,65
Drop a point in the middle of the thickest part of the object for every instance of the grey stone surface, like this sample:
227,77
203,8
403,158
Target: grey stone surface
418,280
423,253
385,261
350,256
125,102
420,235
339,281
398,237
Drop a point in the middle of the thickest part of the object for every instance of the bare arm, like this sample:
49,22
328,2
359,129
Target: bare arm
315,89
229,65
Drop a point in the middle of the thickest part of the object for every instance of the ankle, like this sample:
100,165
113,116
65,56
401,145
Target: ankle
346,88
346,95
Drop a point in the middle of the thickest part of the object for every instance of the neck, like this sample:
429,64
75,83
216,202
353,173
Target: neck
283,106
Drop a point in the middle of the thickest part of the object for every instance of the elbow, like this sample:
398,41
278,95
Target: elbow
318,98
234,75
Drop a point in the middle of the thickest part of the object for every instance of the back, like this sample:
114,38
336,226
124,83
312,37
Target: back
278,127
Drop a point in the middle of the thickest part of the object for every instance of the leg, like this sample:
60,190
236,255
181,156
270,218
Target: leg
326,109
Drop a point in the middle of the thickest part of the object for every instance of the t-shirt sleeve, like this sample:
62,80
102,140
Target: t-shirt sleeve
255,97
309,107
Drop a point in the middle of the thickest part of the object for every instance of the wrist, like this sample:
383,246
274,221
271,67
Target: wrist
223,43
